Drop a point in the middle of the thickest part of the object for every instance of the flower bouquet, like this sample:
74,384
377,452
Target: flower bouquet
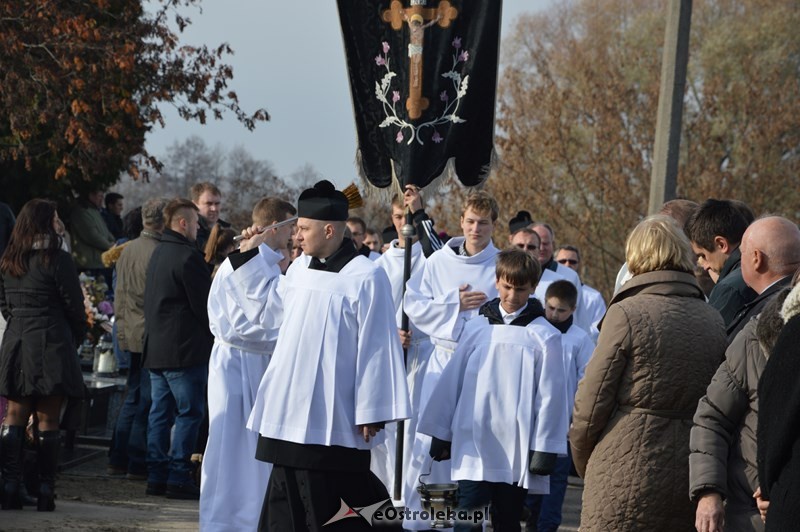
99,309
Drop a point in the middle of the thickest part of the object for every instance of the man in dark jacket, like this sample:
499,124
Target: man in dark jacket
208,198
770,255
112,214
715,230
177,346
129,445
722,459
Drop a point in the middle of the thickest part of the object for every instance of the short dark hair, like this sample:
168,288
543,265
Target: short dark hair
563,290
175,207
132,224
198,188
746,211
573,249
716,218
112,198
518,268
359,221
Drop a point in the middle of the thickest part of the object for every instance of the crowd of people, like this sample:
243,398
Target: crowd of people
281,361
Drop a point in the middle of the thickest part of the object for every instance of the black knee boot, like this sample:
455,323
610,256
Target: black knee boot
11,466
47,457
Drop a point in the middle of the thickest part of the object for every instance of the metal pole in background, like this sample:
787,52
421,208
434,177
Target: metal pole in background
407,236
664,177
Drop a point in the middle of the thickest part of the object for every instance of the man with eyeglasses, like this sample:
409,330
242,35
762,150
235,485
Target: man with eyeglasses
527,240
592,306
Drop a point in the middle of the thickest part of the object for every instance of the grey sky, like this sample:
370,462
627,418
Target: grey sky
289,59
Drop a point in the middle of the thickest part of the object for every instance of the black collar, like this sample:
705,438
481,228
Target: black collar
364,250
733,262
168,235
491,311
563,326
551,265
338,260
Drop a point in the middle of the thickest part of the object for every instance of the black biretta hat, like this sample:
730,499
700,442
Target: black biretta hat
520,221
323,202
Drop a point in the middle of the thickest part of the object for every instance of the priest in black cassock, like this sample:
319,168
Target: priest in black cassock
336,375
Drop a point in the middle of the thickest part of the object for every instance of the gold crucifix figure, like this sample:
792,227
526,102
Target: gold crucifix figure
418,18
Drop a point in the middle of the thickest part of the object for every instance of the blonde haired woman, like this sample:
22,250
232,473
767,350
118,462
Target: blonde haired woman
659,346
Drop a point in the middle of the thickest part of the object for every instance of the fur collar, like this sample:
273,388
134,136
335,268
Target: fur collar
791,307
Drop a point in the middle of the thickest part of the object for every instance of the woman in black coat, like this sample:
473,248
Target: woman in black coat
41,299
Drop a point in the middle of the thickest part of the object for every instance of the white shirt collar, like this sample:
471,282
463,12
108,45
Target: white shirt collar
509,317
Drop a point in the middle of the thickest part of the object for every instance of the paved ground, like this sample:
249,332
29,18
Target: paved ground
88,499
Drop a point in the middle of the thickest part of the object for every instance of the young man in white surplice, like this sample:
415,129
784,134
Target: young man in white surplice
498,414
417,344
231,475
448,291
336,376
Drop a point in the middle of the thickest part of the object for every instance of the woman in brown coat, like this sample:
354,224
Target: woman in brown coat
659,346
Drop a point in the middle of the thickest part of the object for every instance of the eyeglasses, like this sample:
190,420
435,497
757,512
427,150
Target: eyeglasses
529,247
571,262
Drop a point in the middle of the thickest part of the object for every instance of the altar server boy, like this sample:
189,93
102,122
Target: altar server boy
499,409
231,475
417,344
454,282
561,301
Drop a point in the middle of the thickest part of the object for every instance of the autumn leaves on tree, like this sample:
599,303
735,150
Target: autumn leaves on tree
577,111
81,82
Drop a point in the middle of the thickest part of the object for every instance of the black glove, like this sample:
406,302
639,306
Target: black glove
440,450
542,463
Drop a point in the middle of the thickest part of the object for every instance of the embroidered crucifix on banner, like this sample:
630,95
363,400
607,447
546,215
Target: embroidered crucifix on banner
418,17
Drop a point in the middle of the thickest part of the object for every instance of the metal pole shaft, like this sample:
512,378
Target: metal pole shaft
407,236
664,177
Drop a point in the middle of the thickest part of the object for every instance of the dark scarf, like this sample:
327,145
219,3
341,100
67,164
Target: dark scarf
563,326
491,311
364,250
551,265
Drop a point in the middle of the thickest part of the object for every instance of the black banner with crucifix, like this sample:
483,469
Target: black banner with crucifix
423,76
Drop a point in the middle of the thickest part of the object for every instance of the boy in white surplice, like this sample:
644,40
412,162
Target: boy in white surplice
499,409
336,374
454,282
560,303
240,356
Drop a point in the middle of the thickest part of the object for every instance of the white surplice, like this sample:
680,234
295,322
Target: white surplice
233,481
337,362
418,354
593,308
578,347
502,395
432,303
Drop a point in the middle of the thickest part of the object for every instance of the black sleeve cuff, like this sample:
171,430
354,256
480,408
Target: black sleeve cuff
420,216
238,259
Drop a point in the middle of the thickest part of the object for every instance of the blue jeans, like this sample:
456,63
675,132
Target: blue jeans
181,391
506,501
129,444
546,509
